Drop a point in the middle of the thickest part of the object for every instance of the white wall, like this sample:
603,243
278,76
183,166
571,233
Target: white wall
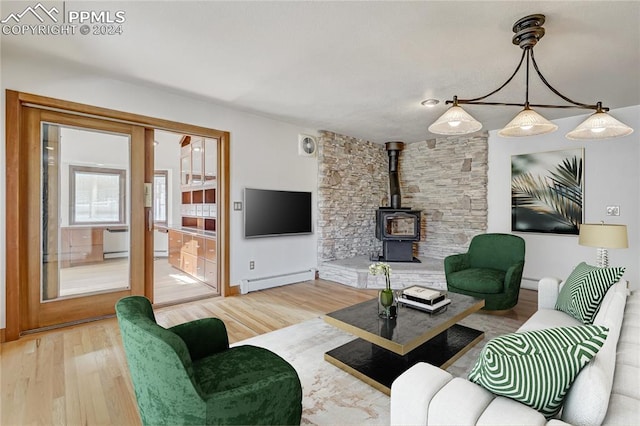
610,178
165,154
263,152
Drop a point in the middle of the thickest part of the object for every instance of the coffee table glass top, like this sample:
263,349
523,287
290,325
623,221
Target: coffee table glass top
409,330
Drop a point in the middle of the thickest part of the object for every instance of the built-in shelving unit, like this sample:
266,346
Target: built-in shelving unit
193,246
198,162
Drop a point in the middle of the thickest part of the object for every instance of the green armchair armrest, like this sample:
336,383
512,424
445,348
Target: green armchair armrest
514,274
456,262
203,337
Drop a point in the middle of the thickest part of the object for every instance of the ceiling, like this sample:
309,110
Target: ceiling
360,68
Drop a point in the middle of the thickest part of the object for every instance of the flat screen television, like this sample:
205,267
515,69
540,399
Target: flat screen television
270,213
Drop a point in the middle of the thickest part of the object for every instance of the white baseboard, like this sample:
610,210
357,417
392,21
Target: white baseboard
529,283
261,283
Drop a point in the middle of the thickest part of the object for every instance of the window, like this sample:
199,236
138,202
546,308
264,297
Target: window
160,196
98,196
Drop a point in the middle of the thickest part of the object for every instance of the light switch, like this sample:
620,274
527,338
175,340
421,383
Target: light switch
613,210
237,205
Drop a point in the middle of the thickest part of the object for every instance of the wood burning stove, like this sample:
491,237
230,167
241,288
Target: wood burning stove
397,227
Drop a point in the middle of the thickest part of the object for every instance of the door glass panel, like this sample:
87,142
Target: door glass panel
210,160
185,166
85,212
196,161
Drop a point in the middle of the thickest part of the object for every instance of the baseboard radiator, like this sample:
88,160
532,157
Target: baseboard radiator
115,254
119,254
261,283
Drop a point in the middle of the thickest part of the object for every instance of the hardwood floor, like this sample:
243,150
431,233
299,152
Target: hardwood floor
171,285
78,375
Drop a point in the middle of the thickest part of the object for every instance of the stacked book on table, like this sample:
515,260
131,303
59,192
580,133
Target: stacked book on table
425,299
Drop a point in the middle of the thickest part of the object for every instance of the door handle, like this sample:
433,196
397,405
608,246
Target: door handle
150,218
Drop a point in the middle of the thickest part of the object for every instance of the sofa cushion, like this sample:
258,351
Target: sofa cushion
582,293
537,367
489,281
412,392
448,408
548,318
624,403
502,412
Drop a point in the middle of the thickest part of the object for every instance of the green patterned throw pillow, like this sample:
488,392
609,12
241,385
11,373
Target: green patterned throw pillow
537,367
582,293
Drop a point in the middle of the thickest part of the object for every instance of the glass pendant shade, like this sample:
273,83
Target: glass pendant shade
455,121
527,123
599,125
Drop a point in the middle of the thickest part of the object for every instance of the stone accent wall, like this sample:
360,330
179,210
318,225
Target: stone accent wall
446,178
352,183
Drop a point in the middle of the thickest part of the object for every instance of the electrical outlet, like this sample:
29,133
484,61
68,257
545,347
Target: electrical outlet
237,205
613,210
252,264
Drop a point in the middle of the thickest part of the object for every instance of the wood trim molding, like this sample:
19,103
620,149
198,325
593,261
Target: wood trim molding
130,118
149,229
233,291
14,273
223,220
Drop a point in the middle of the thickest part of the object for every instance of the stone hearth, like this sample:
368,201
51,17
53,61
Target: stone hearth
354,272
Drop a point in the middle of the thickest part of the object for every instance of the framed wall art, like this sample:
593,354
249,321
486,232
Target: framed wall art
547,191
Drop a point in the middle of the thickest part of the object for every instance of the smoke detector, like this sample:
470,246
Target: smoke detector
307,146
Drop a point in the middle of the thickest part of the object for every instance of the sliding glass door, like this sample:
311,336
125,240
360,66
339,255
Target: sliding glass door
87,217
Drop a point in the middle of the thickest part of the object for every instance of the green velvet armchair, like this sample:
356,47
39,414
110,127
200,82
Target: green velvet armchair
187,374
491,269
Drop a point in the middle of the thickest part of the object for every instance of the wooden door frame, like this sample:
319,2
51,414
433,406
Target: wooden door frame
16,180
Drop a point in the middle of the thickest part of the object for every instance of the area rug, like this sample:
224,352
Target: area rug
330,395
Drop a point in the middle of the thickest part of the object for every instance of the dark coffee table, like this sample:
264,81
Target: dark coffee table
385,349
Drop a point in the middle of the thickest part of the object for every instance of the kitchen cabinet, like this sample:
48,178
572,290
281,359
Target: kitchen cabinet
81,245
194,254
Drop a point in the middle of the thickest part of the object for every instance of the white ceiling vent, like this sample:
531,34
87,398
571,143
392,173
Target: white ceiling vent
307,146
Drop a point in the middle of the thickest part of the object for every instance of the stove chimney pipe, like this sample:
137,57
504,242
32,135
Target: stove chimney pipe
393,149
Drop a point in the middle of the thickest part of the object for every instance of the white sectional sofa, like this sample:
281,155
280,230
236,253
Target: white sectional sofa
606,391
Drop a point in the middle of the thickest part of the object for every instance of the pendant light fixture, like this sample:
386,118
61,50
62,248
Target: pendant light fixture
455,121
528,31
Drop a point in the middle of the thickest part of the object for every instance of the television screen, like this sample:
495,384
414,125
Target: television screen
271,212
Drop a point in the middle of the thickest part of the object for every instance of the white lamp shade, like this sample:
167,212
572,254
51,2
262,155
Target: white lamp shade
599,125
603,235
527,123
455,121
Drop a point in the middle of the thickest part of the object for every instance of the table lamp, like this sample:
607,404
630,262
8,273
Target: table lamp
603,236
